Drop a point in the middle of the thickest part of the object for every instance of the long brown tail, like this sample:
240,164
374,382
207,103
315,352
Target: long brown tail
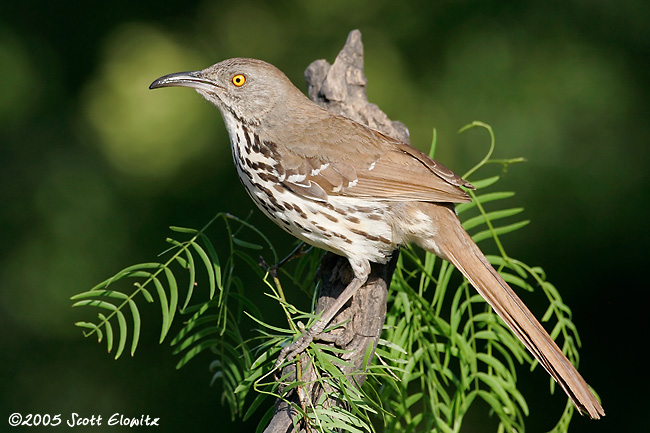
465,255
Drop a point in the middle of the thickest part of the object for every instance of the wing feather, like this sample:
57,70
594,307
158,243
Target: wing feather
375,166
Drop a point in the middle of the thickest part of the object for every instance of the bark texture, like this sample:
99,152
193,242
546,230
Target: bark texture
341,89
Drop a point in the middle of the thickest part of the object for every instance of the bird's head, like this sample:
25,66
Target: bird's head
248,89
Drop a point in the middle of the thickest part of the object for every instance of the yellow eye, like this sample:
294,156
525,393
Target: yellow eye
238,80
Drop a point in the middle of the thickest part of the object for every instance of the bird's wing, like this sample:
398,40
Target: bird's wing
374,166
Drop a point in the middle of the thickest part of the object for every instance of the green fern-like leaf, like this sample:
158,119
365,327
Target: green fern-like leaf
159,278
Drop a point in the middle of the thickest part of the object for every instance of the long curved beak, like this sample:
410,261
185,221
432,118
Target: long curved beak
193,79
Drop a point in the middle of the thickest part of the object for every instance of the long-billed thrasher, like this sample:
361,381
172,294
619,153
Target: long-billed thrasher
351,190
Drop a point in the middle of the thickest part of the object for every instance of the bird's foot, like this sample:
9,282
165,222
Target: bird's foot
297,347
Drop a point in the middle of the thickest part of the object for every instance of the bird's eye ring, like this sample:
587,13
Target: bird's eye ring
238,80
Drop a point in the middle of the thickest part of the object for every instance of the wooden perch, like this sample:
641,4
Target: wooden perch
341,88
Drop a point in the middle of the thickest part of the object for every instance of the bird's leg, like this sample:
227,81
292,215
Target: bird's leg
361,272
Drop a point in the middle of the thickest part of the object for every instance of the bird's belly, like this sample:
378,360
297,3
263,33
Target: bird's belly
341,225
354,228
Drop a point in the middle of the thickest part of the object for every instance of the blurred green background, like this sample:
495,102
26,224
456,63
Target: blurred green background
95,167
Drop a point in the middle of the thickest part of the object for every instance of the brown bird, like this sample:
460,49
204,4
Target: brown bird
351,190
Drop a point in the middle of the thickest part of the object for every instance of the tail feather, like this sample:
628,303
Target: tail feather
459,249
